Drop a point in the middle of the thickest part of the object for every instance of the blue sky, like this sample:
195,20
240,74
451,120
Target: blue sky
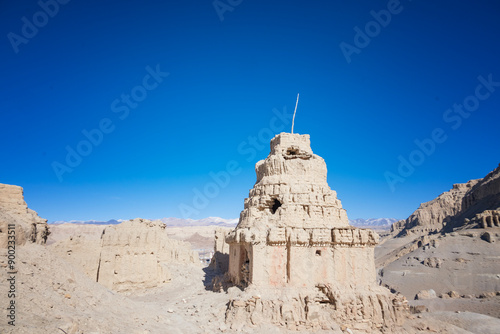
180,98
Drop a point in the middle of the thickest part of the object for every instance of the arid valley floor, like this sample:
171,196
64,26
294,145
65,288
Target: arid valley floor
56,297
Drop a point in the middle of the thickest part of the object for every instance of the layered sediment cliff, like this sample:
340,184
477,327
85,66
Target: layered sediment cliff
14,211
455,208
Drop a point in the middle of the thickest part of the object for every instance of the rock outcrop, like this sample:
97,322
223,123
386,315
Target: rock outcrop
484,194
326,307
297,257
398,226
426,294
220,259
14,213
487,218
132,255
53,296
464,204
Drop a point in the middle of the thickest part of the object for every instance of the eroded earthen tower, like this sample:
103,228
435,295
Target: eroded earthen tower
293,229
294,242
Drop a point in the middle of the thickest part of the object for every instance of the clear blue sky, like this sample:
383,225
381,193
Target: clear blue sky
364,99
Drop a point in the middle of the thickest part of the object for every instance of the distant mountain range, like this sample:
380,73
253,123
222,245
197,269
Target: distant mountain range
372,222
171,222
200,222
91,222
210,221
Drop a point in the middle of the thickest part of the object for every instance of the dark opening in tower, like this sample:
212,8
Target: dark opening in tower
276,205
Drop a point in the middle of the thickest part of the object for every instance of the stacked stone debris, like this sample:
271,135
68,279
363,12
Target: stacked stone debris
295,254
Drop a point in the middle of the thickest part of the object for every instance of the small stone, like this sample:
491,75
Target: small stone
68,296
418,309
433,262
487,295
239,303
486,236
426,294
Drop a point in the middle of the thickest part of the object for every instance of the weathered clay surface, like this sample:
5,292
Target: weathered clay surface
291,189
485,193
294,247
129,256
220,259
475,203
487,218
431,216
29,226
325,307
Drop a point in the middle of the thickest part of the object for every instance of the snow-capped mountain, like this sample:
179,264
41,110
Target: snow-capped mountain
171,222
210,221
200,222
372,222
92,222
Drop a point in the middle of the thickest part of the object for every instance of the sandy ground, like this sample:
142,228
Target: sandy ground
388,244
52,296
468,265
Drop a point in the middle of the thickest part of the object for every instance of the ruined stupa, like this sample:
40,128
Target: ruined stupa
295,254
